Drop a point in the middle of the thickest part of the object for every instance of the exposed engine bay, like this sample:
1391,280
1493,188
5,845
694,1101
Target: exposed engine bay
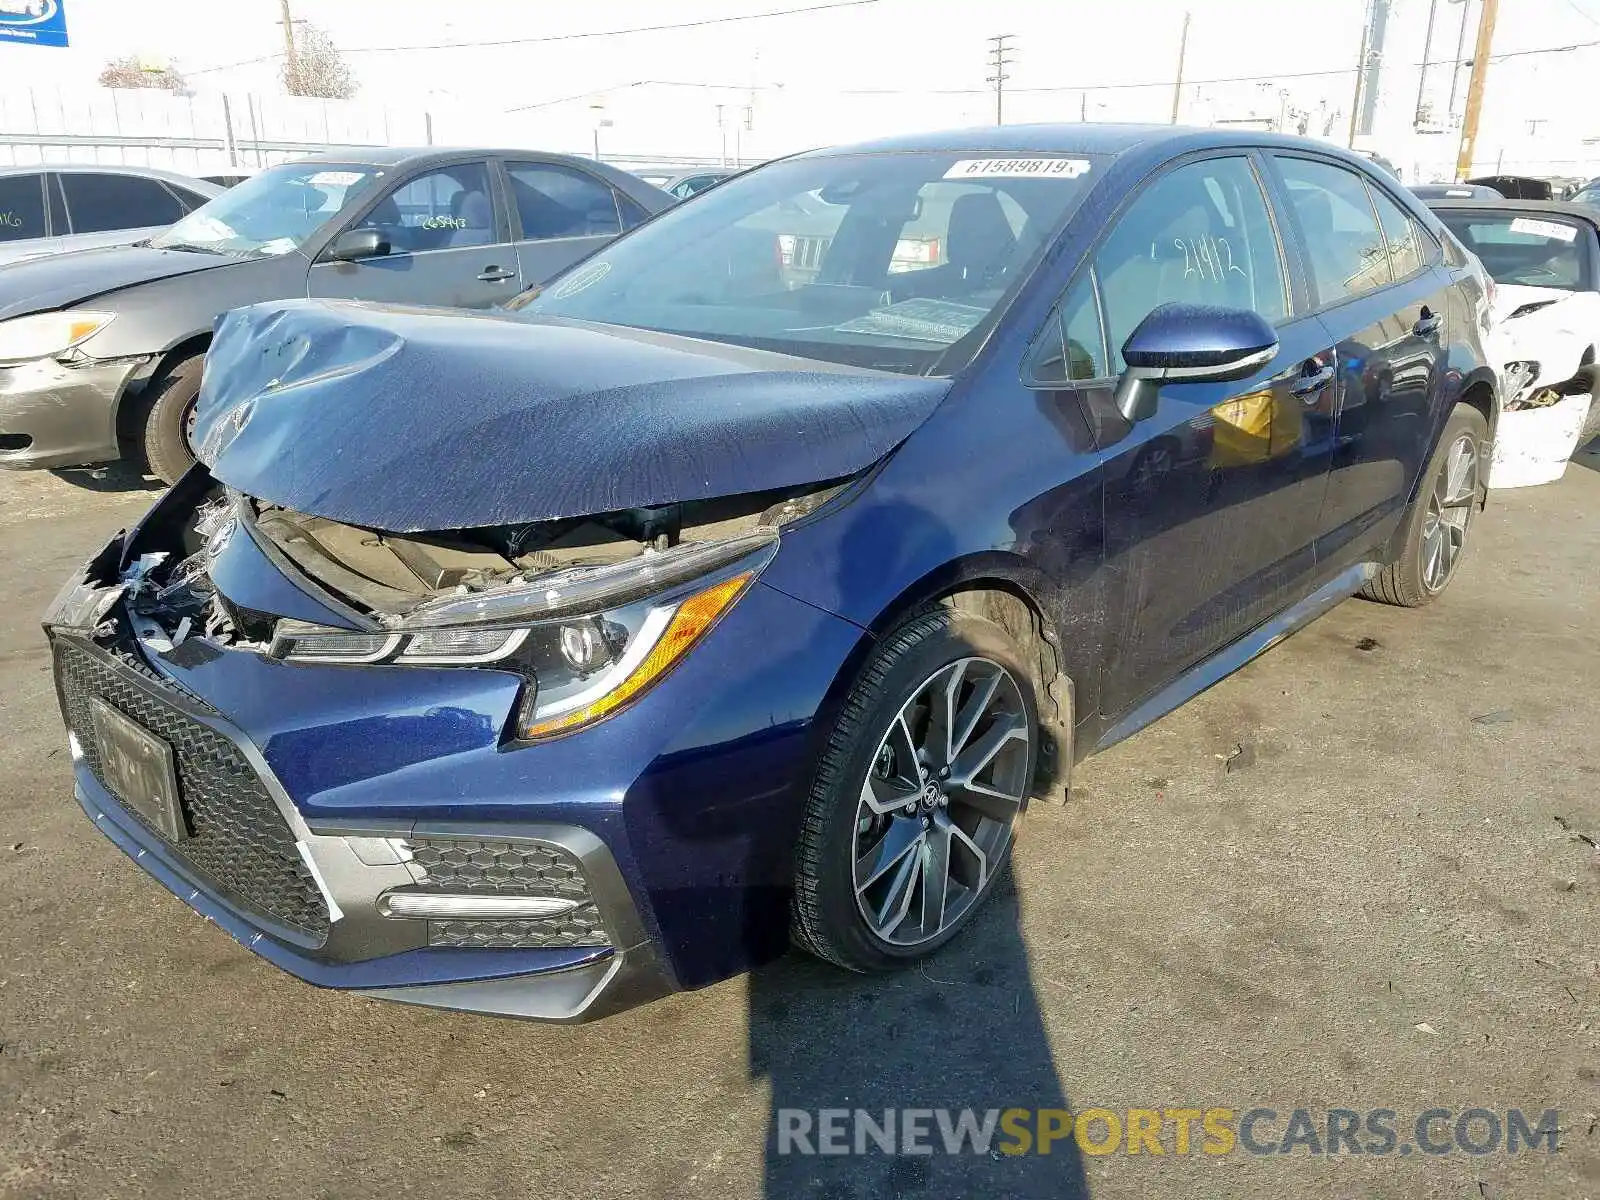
383,576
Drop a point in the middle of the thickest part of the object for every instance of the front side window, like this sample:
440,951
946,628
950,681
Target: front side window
272,213
1201,234
21,207
1541,250
98,203
556,202
445,209
895,261
1348,254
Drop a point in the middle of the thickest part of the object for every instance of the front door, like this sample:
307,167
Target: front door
1211,503
448,244
1383,303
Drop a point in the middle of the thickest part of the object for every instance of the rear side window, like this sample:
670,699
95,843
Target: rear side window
1400,232
21,207
1541,251
1346,247
555,202
1200,235
97,203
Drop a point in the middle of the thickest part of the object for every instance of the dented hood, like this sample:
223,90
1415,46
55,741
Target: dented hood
410,419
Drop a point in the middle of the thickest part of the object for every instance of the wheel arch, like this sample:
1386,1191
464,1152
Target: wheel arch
1005,589
133,404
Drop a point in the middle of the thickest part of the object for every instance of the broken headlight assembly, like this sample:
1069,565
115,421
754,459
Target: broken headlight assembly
588,640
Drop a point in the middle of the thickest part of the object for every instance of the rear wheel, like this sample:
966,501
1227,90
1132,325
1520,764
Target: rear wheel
912,812
1439,520
169,419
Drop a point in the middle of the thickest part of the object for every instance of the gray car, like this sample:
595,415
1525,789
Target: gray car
101,350
47,209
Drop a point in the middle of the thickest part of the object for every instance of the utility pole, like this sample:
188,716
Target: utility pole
1461,49
290,51
1475,87
1422,76
1361,73
999,60
1183,50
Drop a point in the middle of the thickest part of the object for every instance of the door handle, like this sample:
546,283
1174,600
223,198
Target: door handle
1311,383
495,274
1428,324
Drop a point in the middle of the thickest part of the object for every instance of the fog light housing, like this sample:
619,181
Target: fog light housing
447,907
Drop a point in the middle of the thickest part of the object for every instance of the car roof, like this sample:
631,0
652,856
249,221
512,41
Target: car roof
1560,208
1086,138
192,182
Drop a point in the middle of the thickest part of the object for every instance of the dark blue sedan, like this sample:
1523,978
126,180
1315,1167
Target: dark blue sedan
745,584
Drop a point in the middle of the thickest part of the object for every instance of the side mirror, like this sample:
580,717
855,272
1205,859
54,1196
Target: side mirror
1190,343
355,244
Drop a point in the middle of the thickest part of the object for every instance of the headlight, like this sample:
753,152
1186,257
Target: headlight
607,634
46,334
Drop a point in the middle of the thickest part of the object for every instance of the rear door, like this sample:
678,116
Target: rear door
1211,503
562,214
449,243
1383,297
22,216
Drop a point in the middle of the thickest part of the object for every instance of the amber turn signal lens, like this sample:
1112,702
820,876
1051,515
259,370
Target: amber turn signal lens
694,616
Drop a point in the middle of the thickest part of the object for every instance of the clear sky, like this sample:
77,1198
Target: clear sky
831,73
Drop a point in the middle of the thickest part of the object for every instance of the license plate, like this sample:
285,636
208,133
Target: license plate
138,769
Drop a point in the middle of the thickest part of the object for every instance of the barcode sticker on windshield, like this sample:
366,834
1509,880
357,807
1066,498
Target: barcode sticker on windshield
1018,168
335,178
1545,229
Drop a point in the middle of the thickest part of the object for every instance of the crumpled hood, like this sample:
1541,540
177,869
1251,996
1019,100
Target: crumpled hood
58,280
1555,328
412,419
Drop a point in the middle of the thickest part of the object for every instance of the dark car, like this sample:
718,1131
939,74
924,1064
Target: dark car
48,209
1529,243
1454,191
542,662
1517,187
683,184
101,351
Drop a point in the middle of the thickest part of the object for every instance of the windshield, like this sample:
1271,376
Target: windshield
1543,251
270,213
890,261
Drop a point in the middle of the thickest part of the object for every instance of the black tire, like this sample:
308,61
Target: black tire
166,435
826,919
1402,582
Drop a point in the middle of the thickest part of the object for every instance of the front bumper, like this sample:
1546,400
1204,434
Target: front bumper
351,867
62,413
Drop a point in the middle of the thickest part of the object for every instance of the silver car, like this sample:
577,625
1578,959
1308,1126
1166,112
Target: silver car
46,208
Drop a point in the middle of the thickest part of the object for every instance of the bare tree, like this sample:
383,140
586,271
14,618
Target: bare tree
316,69
127,72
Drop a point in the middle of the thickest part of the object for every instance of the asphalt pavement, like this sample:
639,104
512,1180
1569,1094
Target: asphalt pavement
1360,874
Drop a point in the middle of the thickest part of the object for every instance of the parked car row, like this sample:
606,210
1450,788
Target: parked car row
101,351
745,582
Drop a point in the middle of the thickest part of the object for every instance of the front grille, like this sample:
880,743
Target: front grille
239,843
509,869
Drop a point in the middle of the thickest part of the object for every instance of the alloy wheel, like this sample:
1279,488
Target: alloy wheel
940,800
1449,513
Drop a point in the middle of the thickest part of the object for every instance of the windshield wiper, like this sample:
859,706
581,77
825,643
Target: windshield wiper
190,246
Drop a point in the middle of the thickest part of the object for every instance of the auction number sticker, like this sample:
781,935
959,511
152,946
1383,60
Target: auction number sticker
1018,168
1544,229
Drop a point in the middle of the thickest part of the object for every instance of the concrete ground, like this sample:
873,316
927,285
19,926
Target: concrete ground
1359,874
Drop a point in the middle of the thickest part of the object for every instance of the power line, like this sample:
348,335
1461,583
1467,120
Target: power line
604,33
562,37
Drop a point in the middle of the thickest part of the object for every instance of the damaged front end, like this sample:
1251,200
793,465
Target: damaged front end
590,612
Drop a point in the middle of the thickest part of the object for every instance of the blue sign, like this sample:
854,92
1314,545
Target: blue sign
33,22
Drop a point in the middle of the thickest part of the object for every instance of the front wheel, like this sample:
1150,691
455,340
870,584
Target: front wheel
169,419
1439,520
911,815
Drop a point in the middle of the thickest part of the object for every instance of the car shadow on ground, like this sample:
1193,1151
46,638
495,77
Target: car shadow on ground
960,1032
113,477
